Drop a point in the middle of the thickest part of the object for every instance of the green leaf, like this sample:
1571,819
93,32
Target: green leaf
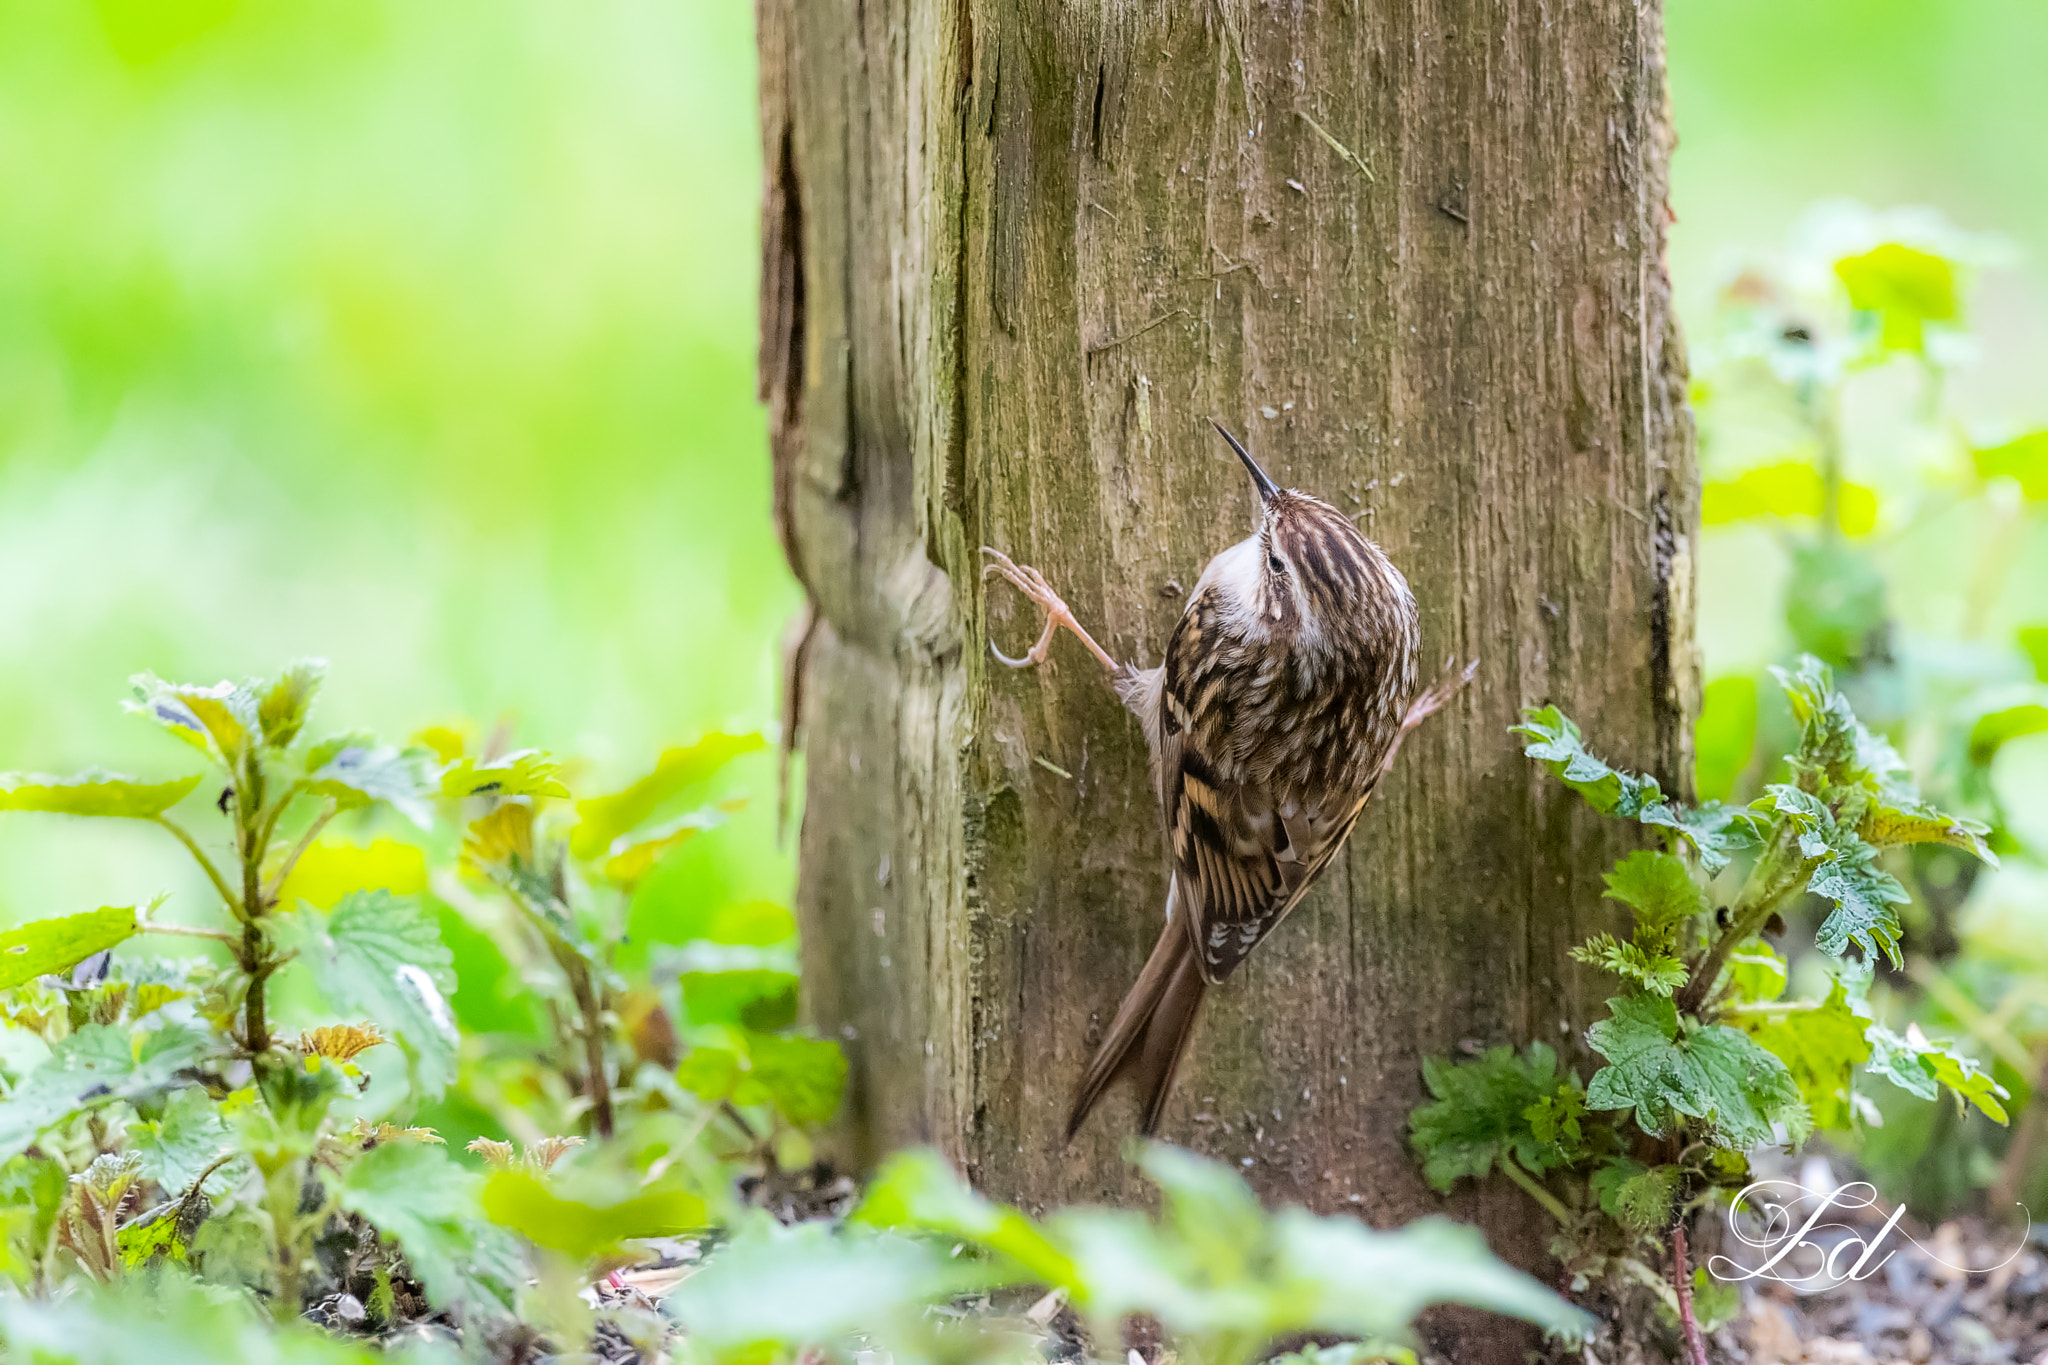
413,1192
55,946
1888,826
219,721
1339,1275
1920,1067
1996,728
95,1065
1724,736
814,1285
1864,897
93,793
751,923
382,955
1554,741
2033,642
1658,888
185,1141
1656,972
1644,1203
602,819
1481,1111
1906,288
525,772
918,1190
1836,605
2024,460
518,1199
1712,1072
357,771
1821,1048
284,702
804,1077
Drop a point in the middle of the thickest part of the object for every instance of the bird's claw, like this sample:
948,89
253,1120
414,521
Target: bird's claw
1434,697
1032,584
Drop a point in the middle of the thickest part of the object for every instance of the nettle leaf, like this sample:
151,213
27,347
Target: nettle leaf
1821,1048
55,946
1643,1201
382,955
1905,287
219,721
355,771
1921,1067
803,1078
525,772
94,1065
1481,1110
917,1190
1659,889
184,1142
93,793
1864,898
416,1194
1889,826
1554,741
2024,460
1656,972
1708,1072
285,701
602,819
518,1199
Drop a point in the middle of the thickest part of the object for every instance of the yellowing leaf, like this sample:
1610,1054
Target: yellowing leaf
218,720
330,871
2024,460
602,819
529,772
518,1199
1905,287
1885,826
93,793
1788,489
58,945
632,860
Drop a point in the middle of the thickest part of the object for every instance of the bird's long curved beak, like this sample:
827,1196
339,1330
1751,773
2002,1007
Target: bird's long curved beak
1267,488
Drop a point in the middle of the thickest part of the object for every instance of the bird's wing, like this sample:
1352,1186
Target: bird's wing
1240,859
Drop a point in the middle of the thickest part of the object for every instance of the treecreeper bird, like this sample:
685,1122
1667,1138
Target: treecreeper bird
1288,686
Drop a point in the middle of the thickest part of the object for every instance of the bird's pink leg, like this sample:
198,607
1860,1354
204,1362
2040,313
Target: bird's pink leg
1032,584
1431,700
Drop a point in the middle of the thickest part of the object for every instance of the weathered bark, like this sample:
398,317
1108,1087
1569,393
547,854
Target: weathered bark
1015,254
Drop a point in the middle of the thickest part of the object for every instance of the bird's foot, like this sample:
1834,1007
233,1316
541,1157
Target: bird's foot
1058,615
1439,693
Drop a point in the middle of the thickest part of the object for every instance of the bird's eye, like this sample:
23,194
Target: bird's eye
1273,562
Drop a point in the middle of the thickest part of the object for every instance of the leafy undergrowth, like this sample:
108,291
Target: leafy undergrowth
226,1149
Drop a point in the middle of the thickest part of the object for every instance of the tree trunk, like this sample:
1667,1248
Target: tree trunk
1015,255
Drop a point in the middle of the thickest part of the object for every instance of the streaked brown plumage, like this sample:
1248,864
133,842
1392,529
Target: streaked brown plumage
1287,687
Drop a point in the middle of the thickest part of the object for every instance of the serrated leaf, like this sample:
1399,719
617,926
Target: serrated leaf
285,701
1712,1072
602,819
1480,1111
413,1192
1656,972
1888,826
94,1065
330,870
1658,888
185,1141
525,772
1864,898
1821,1048
1905,287
2024,460
1554,741
357,771
520,1200
382,956
55,946
93,793
219,720
1921,1067
1643,1203
918,1190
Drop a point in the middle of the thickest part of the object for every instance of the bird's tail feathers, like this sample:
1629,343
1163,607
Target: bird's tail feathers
1150,1033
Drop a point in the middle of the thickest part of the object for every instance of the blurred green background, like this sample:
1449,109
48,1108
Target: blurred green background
420,336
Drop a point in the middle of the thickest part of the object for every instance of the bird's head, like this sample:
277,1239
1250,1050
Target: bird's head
1315,572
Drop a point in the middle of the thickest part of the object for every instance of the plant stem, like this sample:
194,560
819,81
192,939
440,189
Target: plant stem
220,883
1550,1202
1773,878
186,931
1695,1343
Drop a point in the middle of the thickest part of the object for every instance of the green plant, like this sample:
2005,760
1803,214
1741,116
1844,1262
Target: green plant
1704,1058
